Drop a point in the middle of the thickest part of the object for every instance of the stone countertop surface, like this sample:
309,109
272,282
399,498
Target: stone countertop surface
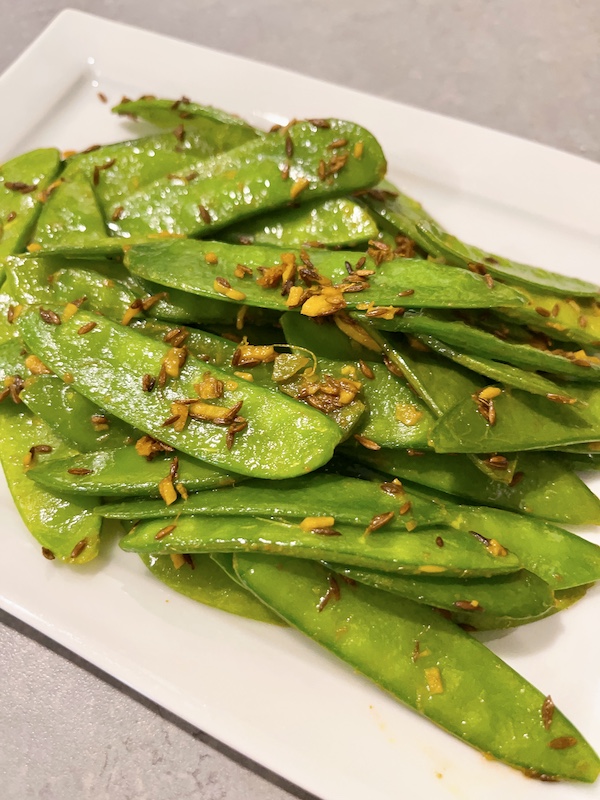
69,731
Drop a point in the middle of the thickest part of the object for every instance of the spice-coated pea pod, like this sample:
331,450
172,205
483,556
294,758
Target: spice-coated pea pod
70,215
414,553
337,222
123,472
295,164
426,662
341,499
543,487
469,338
515,596
275,438
498,371
23,183
12,359
77,419
323,337
459,254
207,583
66,528
522,422
211,122
215,269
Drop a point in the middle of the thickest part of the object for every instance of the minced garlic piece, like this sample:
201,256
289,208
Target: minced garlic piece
310,523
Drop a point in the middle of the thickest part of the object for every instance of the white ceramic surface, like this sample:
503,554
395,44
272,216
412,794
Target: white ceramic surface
270,693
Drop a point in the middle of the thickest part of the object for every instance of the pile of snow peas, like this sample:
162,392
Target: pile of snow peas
307,403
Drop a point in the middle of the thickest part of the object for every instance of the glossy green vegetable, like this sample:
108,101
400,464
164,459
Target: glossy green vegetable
122,472
283,438
184,263
22,181
208,584
425,662
410,553
71,214
249,180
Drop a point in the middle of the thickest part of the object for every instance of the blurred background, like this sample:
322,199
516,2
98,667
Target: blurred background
527,68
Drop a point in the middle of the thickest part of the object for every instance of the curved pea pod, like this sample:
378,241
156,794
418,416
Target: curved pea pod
66,527
459,254
543,486
12,360
337,222
519,595
523,422
424,661
471,339
217,127
258,176
77,419
281,439
324,338
200,267
70,215
204,581
122,472
503,373
23,182
561,318
410,553
346,500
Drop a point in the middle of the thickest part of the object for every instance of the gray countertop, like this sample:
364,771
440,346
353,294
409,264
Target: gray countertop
70,732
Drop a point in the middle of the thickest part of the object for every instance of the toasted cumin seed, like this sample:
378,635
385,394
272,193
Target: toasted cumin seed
117,213
368,443
498,462
165,531
79,548
179,132
405,508
40,448
188,560
543,312
49,316
406,293
89,326
547,712
102,97
19,186
562,743
319,123
582,322
378,521
333,592
391,487
99,419
289,146
325,532
148,382
411,452
555,310
11,215
170,421
480,538
162,376
560,398
204,215
337,143
416,651
285,174
91,149
174,468
439,541
395,370
79,471
349,267
467,605
48,554
516,479
366,370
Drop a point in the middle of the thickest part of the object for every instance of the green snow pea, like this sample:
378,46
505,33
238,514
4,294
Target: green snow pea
337,222
516,596
425,662
282,438
12,359
71,214
498,371
215,125
322,337
410,553
207,583
349,501
251,179
523,422
471,339
459,254
122,472
65,526
22,180
77,419
544,488
184,264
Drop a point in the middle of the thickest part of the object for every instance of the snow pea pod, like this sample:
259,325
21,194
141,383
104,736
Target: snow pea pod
77,419
122,472
545,487
195,266
108,363
515,596
523,422
347,500
23,180
258,176
208,584
471,339
324,338
498,371
337,222
414,553
12,359
459,254
424,661
66,527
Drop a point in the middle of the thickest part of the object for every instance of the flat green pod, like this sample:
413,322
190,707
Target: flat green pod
70,215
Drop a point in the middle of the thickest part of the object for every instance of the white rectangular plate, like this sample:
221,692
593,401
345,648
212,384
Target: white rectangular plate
266,692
